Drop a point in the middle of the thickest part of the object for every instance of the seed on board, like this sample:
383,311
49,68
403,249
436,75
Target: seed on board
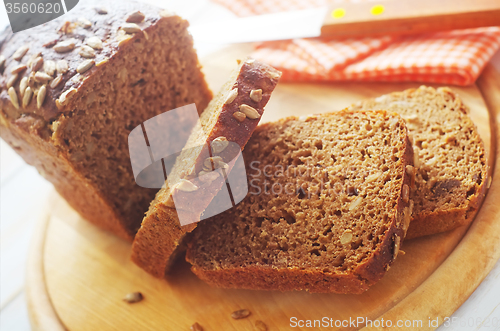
135,17
406,193
86,52
249,111
49,67
260,326
353,205
231,96
242,313
37,64
196,327
13,97
65,46
62,66
219,144
133,297
101,10
17,69
256,95
55,82
131,28
20,52
346,237
186,186
40,98
239,116
85,23
42,77
23,85
94,42
28,93
84,66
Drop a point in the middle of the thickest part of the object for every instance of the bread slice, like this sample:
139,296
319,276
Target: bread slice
327,210
450,164
85,84
160,237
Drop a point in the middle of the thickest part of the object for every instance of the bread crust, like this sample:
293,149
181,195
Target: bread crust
36,133
286,279
160,238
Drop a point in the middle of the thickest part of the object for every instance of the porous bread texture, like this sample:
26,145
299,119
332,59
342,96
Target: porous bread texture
450,161
160,238
81,145
325,210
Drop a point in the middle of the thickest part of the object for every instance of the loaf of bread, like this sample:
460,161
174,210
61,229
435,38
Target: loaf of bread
327,210
226,125
450,163
73,88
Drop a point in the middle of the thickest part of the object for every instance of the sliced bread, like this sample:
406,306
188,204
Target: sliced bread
231,117
327,211
450,163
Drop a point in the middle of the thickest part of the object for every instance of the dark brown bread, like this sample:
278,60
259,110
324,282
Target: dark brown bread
450,163
72,124
327,210
159,240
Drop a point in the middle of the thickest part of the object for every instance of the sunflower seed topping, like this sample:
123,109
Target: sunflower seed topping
65,46
249,111
85,23
242,313
66,96
40,98
131,28
17,69
62,67
207,164
219,144
87,52
28,93
37,64
84,66
186,186
13,97
21,51
2,62
94,42
239,116
135,17
49,67
42,77
23,85
101,10
11,81
231,96
256,95
56,81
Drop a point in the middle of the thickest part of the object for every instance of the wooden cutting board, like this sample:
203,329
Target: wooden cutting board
78,274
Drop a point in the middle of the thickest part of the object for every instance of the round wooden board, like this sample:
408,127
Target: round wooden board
84,272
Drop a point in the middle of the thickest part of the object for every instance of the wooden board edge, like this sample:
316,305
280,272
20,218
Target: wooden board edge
41,312
481,243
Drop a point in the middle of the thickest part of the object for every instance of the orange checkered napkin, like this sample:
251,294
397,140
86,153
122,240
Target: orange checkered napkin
455,57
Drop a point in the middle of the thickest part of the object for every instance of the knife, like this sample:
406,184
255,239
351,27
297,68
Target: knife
391,17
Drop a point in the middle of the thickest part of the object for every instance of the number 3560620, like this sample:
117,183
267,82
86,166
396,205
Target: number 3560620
22,7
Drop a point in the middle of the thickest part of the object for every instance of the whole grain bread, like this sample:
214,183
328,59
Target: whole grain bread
159,240
327,211
451,170
72,89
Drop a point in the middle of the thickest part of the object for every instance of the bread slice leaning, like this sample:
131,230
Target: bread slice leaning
189,190
451,170
327,210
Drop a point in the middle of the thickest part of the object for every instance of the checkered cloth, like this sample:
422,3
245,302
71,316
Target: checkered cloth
455,57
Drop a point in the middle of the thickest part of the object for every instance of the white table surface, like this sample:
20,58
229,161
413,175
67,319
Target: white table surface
23,193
